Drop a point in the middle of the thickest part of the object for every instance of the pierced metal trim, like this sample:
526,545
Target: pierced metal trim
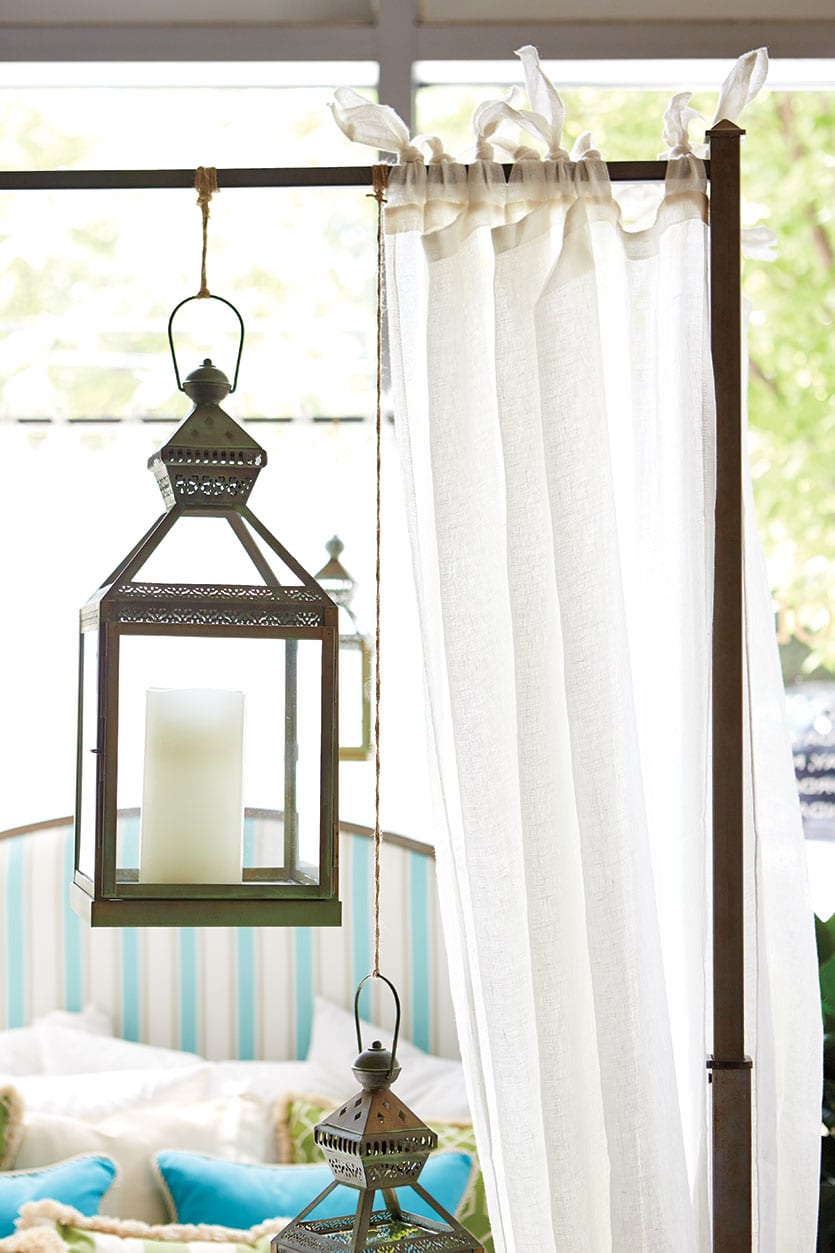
212,486
208,615
213,456
386,1143
168,497
386,1230
393,1173
219,592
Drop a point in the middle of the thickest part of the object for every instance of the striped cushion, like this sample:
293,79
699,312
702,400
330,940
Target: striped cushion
221,992
109,1235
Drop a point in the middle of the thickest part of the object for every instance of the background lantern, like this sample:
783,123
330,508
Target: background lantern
355,654
208,713
374,1143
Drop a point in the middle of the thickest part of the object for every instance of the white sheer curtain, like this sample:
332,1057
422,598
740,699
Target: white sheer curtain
553,393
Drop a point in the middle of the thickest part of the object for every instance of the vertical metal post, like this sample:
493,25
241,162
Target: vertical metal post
291,757
730,1069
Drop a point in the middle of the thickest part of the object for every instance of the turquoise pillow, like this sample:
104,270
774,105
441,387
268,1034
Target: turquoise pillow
80,1182
235,1194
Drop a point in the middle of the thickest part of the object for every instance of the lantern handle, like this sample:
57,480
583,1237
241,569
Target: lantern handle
376,975
177,309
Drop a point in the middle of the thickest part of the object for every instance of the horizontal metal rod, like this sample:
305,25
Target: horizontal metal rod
323,419
289,177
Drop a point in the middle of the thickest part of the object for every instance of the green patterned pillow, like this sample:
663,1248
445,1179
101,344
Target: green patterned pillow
100,1234
296,1116
11,1125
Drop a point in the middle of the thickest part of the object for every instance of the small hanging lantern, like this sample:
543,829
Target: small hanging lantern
355,653
374,1143
208,715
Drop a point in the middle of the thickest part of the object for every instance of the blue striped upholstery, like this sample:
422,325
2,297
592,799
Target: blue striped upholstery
222,992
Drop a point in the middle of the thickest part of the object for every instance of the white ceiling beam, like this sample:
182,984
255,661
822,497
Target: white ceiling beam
189,43
603,40
398,39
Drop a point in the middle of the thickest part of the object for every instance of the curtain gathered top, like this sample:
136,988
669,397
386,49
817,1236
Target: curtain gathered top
505,133
432,192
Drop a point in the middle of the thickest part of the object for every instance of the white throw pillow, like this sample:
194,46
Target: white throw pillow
431,1086
91,1018
270,1080
66,1051
238,1128
21,1051
96,1096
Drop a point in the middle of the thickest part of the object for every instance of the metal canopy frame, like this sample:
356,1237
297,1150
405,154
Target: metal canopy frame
729,1069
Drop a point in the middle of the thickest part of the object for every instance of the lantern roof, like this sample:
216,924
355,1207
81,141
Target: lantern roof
370,1115
210,460
203,429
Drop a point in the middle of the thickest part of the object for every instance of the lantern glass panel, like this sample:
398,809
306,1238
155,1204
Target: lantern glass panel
350,685
213,730
88,753
352,696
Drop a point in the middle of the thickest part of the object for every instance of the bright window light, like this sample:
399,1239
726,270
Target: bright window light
87,280
188,74
675,75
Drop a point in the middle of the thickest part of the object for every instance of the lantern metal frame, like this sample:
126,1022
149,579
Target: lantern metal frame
374,1143
207,469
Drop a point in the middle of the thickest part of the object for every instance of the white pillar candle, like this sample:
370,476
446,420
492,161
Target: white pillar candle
192,789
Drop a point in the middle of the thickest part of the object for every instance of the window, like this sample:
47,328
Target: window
88,390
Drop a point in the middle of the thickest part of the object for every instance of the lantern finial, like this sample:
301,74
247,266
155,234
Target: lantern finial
207,384
334,578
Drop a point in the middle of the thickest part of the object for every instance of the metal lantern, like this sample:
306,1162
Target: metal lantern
374,1143
355,653
208,716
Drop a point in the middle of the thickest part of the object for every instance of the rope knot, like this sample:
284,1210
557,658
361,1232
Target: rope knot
205,184
379,181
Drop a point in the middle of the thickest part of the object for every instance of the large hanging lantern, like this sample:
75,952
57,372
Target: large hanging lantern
355,653
208,713
374,1143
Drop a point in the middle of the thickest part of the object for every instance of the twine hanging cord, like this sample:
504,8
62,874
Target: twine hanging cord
205,184
379,176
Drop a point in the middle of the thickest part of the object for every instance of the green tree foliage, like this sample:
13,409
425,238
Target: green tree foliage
88,279
790,186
